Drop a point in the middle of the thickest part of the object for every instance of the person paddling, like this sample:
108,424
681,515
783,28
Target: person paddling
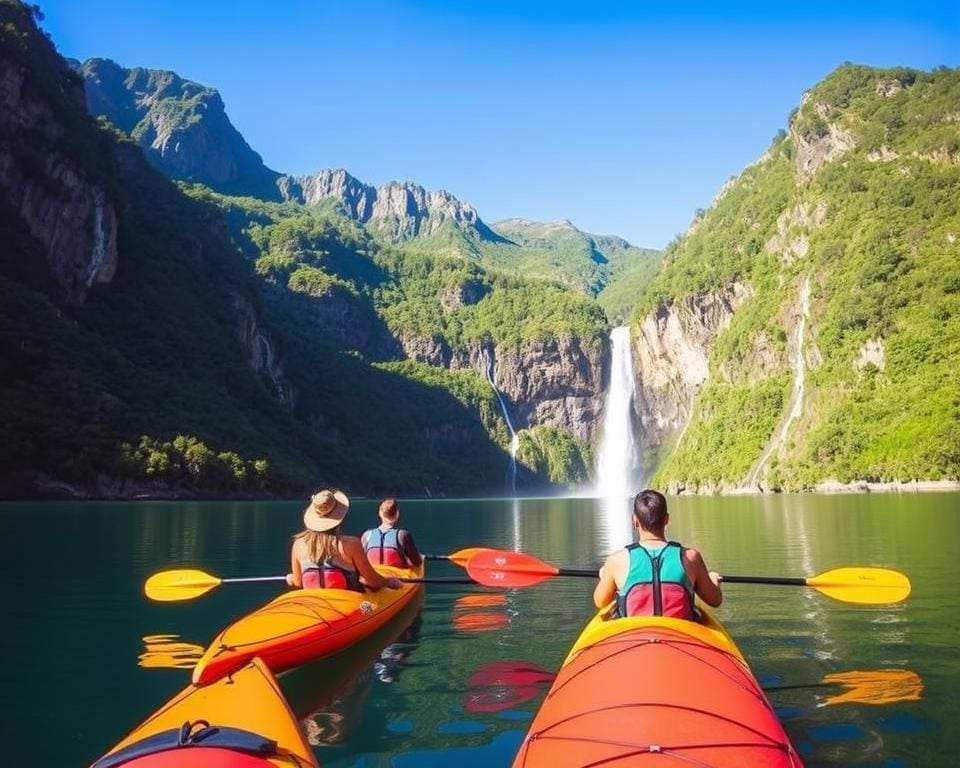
388,544
321,556
656,577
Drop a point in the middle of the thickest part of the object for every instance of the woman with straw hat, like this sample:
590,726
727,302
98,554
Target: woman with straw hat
323,557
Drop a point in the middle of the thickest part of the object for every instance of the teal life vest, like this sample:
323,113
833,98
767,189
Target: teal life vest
656,583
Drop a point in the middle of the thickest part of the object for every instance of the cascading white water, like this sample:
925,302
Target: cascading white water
617,458
99,239
514,438
795,406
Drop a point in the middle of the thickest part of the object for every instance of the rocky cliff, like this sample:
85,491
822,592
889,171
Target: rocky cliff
60,198
846,234
557,382
182,127
397,211
671,356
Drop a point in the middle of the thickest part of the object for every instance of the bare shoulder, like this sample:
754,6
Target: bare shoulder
616,561
350,544
692,556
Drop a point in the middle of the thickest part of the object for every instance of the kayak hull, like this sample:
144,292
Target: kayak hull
654,691
247,703
304,625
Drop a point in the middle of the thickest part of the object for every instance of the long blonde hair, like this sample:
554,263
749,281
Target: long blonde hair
320,545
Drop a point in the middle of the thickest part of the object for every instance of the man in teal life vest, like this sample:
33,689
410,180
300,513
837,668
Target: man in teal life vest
656,577
389,545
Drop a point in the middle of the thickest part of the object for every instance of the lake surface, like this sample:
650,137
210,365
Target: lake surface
462,682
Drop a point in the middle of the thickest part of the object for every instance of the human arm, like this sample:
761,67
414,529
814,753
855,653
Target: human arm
353,551
295,577
409,547
606,589
706,583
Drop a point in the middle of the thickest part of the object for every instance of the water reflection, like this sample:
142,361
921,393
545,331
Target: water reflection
498,686
790,634
165,651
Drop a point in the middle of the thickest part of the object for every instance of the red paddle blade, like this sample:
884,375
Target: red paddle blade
500,568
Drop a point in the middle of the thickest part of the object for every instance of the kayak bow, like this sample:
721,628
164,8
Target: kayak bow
655,691
241,721
303,625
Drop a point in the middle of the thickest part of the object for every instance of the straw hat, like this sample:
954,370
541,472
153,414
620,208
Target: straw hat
327,509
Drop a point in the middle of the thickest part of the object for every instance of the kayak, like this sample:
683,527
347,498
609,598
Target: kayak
304,625
656,691
241,721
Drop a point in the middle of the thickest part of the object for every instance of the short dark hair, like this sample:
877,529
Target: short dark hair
650,509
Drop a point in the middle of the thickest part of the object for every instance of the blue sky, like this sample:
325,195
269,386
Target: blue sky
623,117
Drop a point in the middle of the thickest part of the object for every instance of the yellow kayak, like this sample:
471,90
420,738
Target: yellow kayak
240,721
305,624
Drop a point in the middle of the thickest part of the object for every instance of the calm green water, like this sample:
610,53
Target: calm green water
75,619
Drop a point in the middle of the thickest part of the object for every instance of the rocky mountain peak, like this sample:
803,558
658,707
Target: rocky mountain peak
182,127
398,210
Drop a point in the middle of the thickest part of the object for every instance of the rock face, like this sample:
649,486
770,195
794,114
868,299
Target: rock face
261,349
397,211
557,382
181,126
56,199
818,146
671,354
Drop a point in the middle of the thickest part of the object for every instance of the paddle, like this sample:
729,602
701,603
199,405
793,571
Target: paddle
187,583
460,557
867,586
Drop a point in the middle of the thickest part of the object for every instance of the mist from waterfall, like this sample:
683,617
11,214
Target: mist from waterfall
617,459
511,480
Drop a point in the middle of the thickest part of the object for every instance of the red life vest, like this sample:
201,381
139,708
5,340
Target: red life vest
383,548
657,584
331,576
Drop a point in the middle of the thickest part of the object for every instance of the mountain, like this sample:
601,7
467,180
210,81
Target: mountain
397,212
805,330
169,339
185,132
181,126
605,266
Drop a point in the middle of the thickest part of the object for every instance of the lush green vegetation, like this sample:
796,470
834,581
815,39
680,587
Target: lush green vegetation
186,462
884,268
555,455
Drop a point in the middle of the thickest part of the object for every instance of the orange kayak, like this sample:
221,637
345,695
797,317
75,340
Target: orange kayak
241,721
303,625
659,692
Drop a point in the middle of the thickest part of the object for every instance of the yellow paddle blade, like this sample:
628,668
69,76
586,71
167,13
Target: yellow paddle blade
184,584
878,686
869,586
461,556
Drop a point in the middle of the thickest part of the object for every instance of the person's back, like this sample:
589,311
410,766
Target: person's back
656,577
389,545
322,557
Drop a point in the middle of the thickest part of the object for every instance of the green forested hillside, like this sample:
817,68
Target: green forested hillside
862,198
97,394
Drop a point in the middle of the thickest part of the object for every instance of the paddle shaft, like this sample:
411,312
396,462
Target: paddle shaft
452,580
787,581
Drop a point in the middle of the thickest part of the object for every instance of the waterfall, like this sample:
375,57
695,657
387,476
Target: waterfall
795,406
99,252
511,480
617,459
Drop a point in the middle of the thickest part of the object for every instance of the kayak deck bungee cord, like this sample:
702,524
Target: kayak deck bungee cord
240,721
655,691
